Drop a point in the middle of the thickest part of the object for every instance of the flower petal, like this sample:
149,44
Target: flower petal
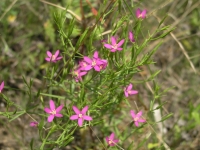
56,53
132,92
136,123
138,12
120,43
87,118
133,114
59,115
49,54
119,49
2,86
144,13
58,58
139,114
76,110
50,118
74,117
141,120
113,40
125,93
95,54
48,59
52,105
47,110
108,46
129,87
80,122
113,50
59,109
87,59
112,136
84,110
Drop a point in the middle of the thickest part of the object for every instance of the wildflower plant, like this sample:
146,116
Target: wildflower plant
99,78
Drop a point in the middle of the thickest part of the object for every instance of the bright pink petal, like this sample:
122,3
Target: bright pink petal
59,115
136,123
82,73
50,118
49,54
84,110
97,68
2,86
125,93
52,105
56,53
139,114
48,59
76,110
133,114
132,92
141,120
138,12
108,46
87,59
87,118
144,14
112,136
113,40
119,49
59,109
47,110
58,58
74,117
95,54
120,43
129,87
107,139
114,142
89,67
113,50
80,122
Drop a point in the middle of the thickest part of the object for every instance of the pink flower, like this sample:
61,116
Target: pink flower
1,86
131,37
33,124
80,115
114,46
141,14
53,58
128,90
95,62
104,64
78,73
110,140
137,117
52,111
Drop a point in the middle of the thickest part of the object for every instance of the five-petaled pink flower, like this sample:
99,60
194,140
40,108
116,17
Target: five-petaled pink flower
33,124
110,140
80,115
53,58
128,90
137,117
114,46
95,62
54,112
141,14
131,36
1,86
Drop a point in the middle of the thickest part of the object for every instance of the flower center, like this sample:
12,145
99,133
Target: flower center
114,46
76,73
53,57
136,119
80,115
110,141
53,112
140,16
94,63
